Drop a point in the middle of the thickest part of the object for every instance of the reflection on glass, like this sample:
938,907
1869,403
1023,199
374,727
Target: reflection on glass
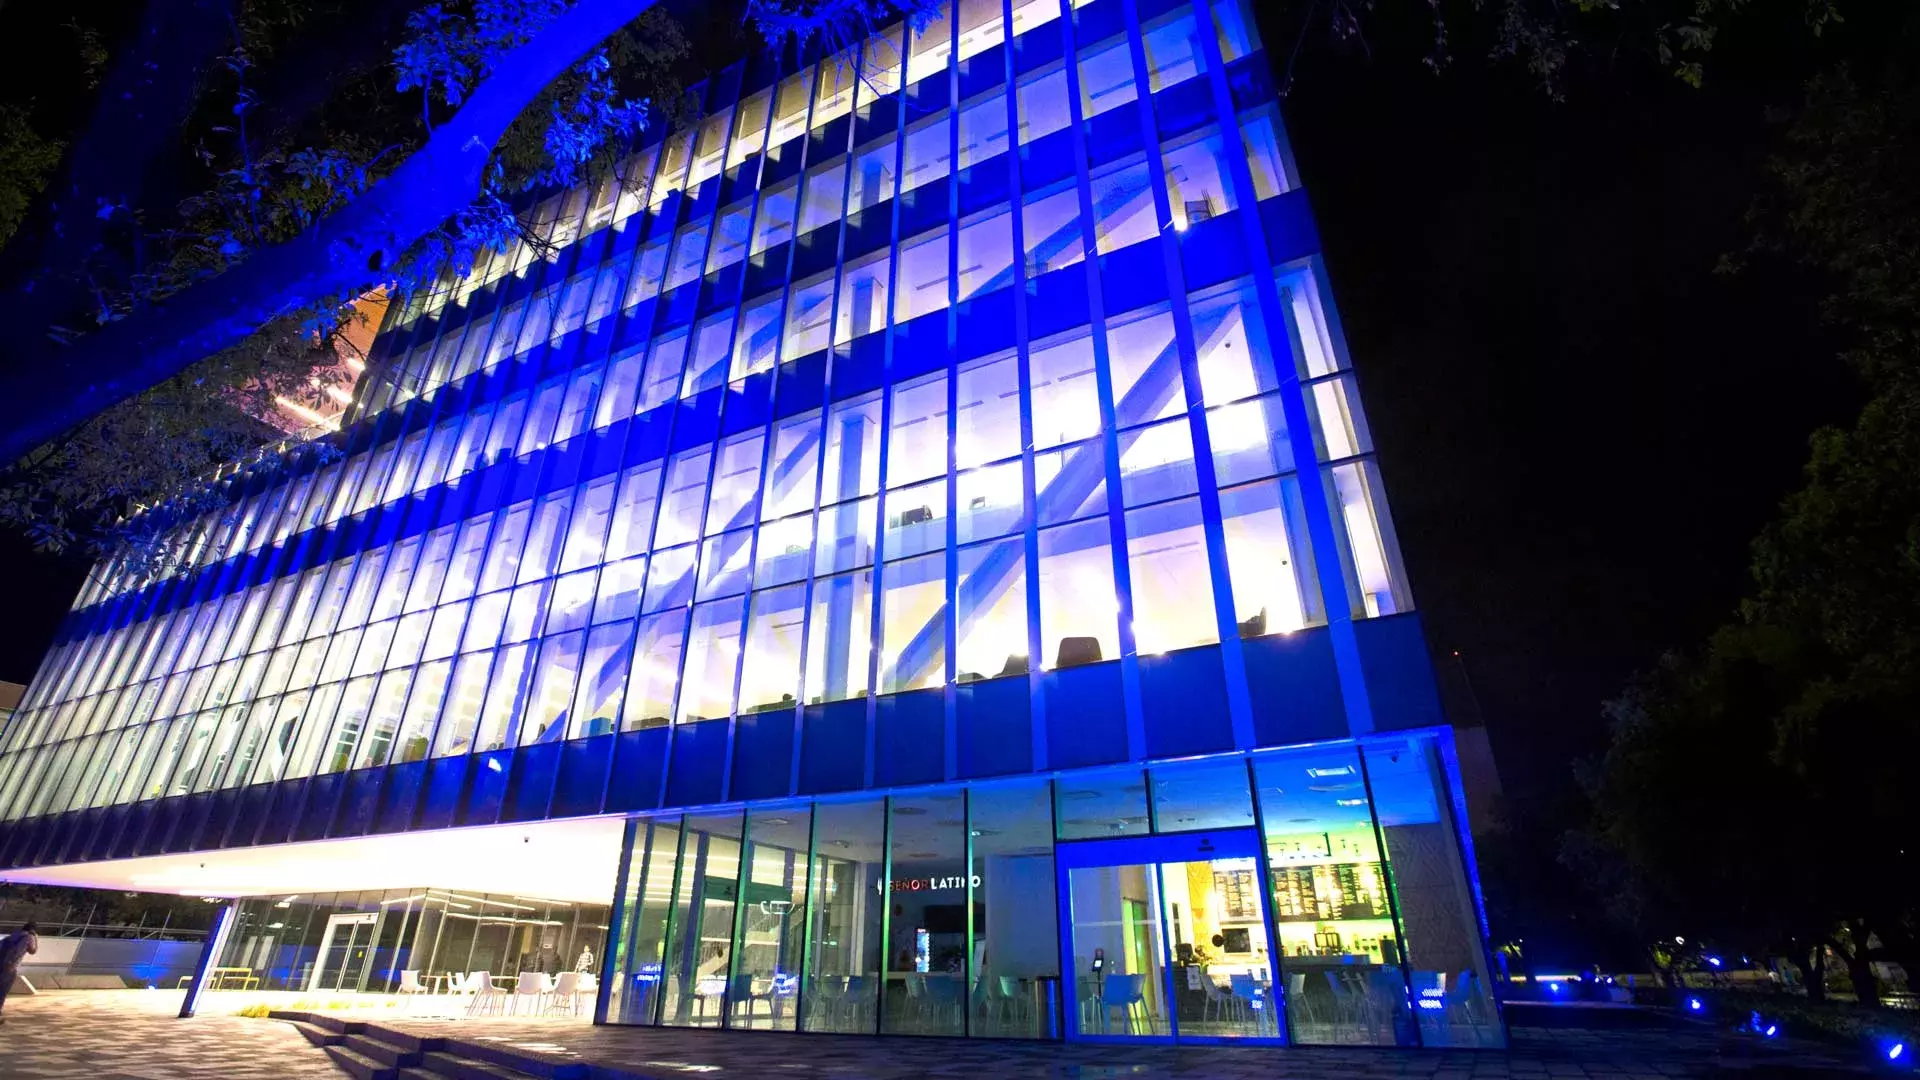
846,902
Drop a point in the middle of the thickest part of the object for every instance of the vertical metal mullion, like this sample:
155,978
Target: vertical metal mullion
805,966
743,874
968,975
673,910
1167,988
886,915
1277,998
617,939
1391,880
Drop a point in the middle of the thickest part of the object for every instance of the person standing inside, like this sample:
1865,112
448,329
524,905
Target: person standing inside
14,948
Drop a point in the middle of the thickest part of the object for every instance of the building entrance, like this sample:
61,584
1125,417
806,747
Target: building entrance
1168,938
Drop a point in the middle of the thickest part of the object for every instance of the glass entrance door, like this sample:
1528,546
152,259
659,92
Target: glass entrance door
1169,938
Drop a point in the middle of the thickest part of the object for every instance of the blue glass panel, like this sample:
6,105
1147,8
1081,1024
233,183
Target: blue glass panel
582,783
1046,159
927,97
316,808
1133,277
699,770
802,385
763,755
787,165
1057,301
1399,673
863,368
563,465
749,404
113,818
766,270
283,812
705,198
1086,716
910,738
829,139
1037,49
530,783
983,71
487,789
1212,251
984,184
923,208
815,251
637,760
985,324
648,438
677,308
401,797
215,825
740,181
1112,135
994,719
1097,21
1294,688
867,231
1183,701
635,326
1289,226
876,119
833,746
359,799
697,419
721,289
446,780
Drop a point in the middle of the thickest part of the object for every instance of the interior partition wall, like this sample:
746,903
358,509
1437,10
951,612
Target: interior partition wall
1327,901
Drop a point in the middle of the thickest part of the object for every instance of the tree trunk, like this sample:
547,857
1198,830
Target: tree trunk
1813,972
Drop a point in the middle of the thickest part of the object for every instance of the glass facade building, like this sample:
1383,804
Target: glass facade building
927,497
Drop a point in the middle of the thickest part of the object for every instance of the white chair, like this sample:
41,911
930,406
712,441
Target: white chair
485,995
410,986
530,984
567,987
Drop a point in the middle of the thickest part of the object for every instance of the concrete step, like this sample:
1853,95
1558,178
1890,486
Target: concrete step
316,1034
368,1045
442,1065
360,1066
530,1062
406,1040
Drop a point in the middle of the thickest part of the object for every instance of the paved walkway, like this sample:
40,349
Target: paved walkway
115,1035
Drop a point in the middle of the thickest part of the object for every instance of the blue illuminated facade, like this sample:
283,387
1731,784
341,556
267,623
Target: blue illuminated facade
960,425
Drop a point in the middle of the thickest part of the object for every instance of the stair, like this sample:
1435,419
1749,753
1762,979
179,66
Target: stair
370,1051
446,1065
360,1066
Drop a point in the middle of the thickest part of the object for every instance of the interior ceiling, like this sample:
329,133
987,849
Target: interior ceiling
574,860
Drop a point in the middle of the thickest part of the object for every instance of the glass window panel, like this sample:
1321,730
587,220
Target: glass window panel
839,637
725,562
774,224
1342,428
981,27
833,97
348,725
736,482
1249,440
1157,463
1051,227
991,607
1173,51
852,464
1042,101
991,502
1300,291
572,601
1172,580
863,297
921,284
809,317
526,612
711,344
749,127
1066,391
1106,77
549,521
655,671
620,586
1326,878
987,427
872,176
917,439
1372,563
730,237
846,904
684,500
932,45
1014,928
793,468
917,519
713,647
928,154
506,698
407,640
1122,206
913,626
820,205
707,158
1198,178
770,671
766,982
928,838
423,708
670,578
789,112
1028,14
1070,483
1093,806
1267,158
1274,587
983,129
649,270
665,364
701,935
1201,795
443,634
846,536
1231,348
1145,361
633,511
587,531
489,615
689,256
431,575
783,551
986,254
553,686
879,67
758,341
1078,605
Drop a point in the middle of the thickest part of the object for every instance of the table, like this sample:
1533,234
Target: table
217,977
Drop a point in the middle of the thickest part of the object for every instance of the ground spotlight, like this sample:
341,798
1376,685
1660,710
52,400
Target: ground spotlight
1694,1004
1896,1051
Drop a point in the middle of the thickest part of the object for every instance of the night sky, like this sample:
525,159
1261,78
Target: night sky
1581,425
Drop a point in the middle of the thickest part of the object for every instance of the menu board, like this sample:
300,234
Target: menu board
1336,891
1238,899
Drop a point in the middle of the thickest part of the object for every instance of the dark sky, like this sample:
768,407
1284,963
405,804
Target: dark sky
1580,424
